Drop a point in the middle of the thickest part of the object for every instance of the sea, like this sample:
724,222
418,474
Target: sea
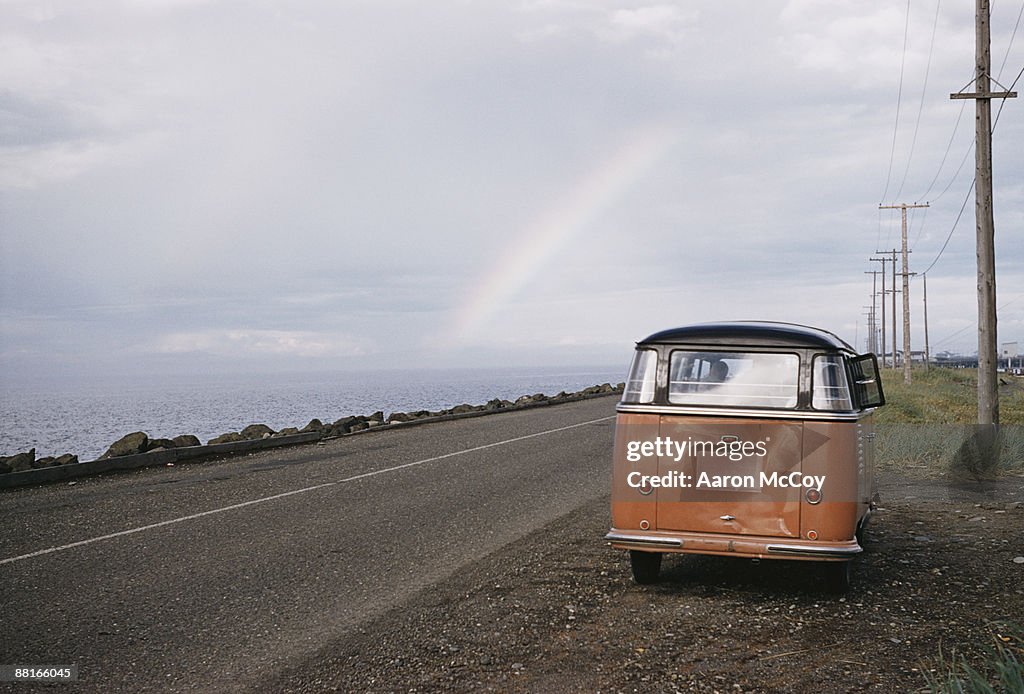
84,418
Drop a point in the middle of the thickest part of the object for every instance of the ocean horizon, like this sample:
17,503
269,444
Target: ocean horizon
84,417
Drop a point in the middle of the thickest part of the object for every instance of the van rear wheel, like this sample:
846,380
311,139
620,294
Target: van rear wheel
646,566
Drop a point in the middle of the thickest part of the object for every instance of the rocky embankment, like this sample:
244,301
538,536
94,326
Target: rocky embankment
138,442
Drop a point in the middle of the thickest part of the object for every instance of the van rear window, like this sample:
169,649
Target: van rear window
734,379
641,380
829,384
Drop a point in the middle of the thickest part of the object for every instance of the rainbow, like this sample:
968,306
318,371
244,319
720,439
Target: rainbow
539,243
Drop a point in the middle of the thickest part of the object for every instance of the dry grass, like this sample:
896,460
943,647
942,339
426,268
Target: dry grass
931,425
945,396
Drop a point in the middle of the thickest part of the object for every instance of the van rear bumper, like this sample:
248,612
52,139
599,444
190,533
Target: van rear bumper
751,546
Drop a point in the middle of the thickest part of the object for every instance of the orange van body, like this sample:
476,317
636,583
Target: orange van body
744,440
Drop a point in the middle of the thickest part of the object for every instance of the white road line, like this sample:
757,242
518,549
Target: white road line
152,526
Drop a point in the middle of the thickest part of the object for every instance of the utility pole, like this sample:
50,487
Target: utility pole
924,278
872,323
882,261
894,292
867,314
906,288
988,383
893,319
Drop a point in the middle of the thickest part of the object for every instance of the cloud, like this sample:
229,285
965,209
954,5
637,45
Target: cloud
339,181
259,342
667,22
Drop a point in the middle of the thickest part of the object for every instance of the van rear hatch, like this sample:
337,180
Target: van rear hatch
730,475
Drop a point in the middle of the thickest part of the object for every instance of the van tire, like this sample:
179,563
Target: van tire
839,575
861,533
646,566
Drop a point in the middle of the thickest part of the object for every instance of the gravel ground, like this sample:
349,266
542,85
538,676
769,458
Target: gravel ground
558,612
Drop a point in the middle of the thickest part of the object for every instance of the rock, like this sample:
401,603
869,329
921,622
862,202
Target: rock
1018,560
342,426
494,404
357,426
375,422
378,415
397,417
314,425
606,388
291,431
462,409
20,461
256,431
162,444
129,444
230,437
186,440
55,461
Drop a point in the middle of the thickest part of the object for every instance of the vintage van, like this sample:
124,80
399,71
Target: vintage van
745,439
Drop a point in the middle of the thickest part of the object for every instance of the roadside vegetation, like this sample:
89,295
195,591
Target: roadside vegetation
1001,668
945,396
930,426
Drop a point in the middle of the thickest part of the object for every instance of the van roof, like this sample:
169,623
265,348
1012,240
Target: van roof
749,333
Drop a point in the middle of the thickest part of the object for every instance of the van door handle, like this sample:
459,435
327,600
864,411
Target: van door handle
727,518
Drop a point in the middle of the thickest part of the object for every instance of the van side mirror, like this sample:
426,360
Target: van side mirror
867,385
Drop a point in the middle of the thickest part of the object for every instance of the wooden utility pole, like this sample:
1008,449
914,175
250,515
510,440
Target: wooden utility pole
872,317
988,357
893,319
924,278
906,286
882,261
894,292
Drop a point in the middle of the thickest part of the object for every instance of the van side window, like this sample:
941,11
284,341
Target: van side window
733,379
642,377
830,388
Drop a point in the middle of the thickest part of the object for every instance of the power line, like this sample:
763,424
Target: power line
1012,37
950,234
920,108
1002,102
899,99
920,229
952,137
975,323
971,188
945,154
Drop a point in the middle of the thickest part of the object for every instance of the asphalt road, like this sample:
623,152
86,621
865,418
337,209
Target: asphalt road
217,576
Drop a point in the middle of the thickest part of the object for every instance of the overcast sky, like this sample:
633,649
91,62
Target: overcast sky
190,185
